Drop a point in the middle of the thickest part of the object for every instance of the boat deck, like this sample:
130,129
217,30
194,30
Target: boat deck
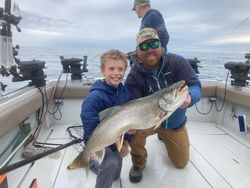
217,159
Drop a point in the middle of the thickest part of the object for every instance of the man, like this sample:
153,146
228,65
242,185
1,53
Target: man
153,70
151,18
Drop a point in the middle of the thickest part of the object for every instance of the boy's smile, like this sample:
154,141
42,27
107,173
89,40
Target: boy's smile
114,71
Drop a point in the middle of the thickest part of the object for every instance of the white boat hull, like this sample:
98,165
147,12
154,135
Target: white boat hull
219,152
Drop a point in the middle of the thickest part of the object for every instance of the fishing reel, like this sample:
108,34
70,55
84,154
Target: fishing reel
239,72
132,57
10,17
75,66
194,64
30,70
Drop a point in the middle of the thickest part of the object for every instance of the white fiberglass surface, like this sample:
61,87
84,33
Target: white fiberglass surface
217,159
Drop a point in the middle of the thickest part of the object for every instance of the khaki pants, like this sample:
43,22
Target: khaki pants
176,143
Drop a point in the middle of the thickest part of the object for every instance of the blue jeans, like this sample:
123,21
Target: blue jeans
109,170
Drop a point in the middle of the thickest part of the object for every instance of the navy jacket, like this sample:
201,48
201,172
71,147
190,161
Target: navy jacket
154,19
172,68
101,97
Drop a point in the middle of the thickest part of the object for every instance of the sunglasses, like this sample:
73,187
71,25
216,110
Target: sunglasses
152,44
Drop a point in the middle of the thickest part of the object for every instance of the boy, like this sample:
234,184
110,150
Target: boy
104,94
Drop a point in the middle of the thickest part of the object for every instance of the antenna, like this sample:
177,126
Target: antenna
6,48
236,28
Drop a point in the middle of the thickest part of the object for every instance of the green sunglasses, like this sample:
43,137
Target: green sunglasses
152,44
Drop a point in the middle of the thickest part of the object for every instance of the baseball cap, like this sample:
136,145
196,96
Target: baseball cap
140,2
145,34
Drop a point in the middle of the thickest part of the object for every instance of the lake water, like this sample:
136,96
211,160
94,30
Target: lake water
212,64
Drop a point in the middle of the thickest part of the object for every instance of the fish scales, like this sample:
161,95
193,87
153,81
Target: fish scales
138,114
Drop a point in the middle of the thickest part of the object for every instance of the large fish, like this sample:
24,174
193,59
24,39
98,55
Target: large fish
142,113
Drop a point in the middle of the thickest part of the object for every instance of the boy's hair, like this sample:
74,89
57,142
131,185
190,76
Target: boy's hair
115,55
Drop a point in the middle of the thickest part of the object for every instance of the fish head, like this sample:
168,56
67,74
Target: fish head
173,97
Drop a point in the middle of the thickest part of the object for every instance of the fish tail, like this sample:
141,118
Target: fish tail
87,170
79,162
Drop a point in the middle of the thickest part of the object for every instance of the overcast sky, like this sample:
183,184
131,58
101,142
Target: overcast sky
193,25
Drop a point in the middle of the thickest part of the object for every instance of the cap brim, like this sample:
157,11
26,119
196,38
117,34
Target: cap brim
147,40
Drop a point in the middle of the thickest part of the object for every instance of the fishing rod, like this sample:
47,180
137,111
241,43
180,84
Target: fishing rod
38,156
7,5
7,52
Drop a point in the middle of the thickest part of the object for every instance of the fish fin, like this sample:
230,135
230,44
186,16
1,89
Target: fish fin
119,142
99,156
162,119
78,163
87,171
107,112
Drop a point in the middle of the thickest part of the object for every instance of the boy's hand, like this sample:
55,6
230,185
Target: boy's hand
125,149
131,131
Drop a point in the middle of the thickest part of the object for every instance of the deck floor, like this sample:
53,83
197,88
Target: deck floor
217,159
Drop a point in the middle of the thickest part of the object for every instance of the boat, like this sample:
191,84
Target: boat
40,132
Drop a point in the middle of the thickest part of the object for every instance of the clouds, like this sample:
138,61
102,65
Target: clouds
208,25
95,23
193,25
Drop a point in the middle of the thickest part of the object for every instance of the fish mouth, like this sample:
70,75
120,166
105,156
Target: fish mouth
173,100
163,114
181,95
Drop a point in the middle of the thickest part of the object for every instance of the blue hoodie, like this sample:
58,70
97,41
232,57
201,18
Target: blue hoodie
172,68
154,19
101,97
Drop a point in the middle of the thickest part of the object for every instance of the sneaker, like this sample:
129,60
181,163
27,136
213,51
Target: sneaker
94,165
135,174
159,137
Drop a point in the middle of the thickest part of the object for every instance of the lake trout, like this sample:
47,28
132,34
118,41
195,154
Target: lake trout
142,113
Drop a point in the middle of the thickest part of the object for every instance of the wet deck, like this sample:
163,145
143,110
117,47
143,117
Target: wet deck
217,159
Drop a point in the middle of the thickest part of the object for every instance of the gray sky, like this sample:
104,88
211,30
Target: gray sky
193,25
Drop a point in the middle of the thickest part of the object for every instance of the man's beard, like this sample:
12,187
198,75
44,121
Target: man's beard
151,60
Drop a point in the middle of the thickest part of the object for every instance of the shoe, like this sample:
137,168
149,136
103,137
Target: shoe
94,165
159,137
135,174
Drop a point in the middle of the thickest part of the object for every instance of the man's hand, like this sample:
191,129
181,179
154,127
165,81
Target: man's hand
125,149
187,101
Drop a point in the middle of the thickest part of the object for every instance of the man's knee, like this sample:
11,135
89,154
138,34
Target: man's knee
180,162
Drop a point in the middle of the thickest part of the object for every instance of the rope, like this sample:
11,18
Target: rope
45,112
19,164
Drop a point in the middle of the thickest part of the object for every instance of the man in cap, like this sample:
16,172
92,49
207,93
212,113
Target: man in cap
151,18
153,70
